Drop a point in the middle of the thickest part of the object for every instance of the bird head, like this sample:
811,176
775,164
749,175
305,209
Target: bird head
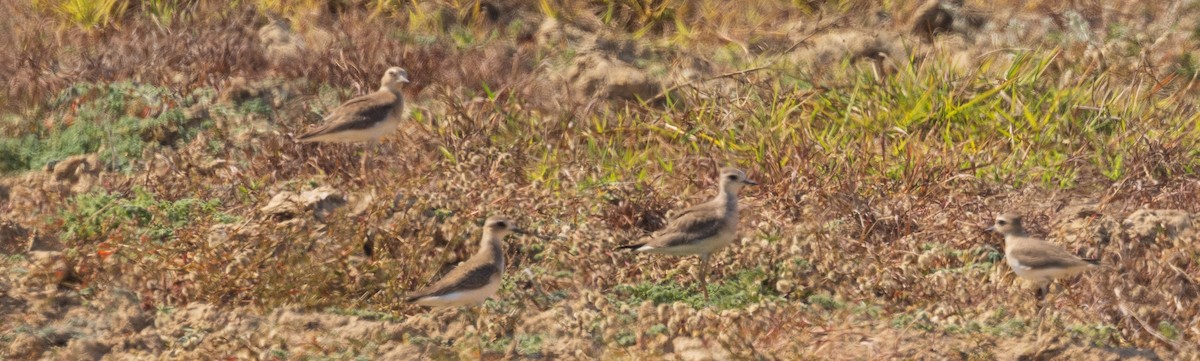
394,78
733,179
1008,224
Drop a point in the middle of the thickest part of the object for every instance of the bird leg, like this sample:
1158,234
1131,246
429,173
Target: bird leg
479,328
703,275
362,164
1037,337
1042,291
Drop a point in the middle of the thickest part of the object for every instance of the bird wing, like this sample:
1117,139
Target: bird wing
359,113
695,223
463,278
1041,255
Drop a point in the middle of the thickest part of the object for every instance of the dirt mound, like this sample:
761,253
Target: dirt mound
45,317
597,75
1084,225
287,205
282,42
75,174
605,67
1158,225
853,44
553,32
13,237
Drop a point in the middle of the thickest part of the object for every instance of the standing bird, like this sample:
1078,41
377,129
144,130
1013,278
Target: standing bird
366,118
476,279
1034,259
701,229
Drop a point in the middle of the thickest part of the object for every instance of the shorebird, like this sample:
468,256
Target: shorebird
365,118
700,229
1034,259
476,279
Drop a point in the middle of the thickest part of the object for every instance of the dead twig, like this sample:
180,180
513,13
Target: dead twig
662,95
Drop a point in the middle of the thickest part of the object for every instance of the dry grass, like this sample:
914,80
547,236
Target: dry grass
863,240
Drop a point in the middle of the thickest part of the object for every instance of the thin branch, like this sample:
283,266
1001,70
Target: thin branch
769,64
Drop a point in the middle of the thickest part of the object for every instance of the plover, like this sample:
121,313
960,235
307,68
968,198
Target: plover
365,118
476,279
1034,259
700,229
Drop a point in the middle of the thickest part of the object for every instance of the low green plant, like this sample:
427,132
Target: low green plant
918,320
1168,330
119,121
529,345
738,291
91,217
1099,334
826,301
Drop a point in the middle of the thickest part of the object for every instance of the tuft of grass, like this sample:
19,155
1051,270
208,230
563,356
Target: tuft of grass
1168,330
86,14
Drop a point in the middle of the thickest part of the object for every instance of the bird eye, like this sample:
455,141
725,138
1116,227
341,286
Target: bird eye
733,177
1001,222
501,225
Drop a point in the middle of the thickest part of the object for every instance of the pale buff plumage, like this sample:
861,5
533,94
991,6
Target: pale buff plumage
1034,259
476,279
700,229
365,118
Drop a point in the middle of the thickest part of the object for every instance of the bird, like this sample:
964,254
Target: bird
476,279
934,17
1034,259
701,229
365,118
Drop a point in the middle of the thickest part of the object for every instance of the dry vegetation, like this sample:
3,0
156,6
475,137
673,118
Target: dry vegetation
153,202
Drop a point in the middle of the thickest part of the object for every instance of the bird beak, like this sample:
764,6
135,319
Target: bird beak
403,80
518,231
990,228
750,182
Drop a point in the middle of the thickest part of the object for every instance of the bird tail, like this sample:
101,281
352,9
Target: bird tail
630,246
1093,261
307,137
314,135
